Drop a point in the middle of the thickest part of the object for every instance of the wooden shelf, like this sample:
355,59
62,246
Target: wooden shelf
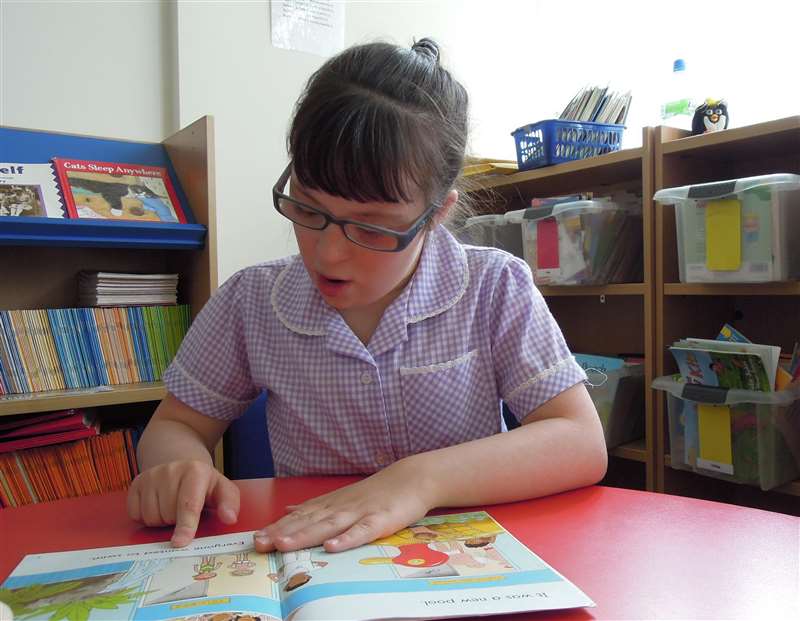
771,138
625,160
81,398
792,488
622,289
767,288
635,451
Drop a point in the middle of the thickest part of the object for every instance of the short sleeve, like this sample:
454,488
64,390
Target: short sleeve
211,371
531,359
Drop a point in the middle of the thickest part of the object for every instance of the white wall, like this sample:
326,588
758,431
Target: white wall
99,68
110,68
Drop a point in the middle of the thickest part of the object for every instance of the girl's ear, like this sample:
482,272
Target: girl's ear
447,204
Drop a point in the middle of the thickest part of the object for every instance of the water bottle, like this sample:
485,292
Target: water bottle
677,108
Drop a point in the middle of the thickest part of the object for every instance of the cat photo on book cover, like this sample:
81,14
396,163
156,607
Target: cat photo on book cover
116,191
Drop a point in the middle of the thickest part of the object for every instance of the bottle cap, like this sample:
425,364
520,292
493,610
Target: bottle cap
679,65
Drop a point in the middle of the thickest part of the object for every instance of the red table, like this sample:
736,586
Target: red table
638,555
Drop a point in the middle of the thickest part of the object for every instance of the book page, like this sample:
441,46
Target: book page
462,564
212,575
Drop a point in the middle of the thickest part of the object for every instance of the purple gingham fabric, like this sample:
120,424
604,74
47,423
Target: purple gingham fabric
469,329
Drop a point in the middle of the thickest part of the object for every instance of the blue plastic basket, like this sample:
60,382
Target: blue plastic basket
555,141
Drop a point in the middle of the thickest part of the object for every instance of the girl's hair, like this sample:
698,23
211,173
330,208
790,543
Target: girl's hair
378,121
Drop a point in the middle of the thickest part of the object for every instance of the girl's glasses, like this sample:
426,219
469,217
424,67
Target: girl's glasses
366,235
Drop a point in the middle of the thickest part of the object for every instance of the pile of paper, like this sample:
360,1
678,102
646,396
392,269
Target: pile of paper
120,289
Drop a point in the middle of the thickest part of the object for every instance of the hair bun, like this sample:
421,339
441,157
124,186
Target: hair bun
427,48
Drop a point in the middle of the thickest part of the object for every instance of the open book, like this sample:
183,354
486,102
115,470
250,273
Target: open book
454,565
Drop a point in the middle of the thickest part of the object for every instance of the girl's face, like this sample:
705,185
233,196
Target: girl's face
349,277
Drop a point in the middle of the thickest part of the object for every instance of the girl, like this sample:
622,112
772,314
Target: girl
385,346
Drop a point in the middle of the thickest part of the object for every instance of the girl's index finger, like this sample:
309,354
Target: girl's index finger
190,501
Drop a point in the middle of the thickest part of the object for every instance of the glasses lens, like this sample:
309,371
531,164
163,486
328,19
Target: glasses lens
301,214
369,238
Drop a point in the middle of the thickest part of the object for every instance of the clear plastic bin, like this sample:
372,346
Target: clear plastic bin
762,438
618,396
738,230
492,230
591,242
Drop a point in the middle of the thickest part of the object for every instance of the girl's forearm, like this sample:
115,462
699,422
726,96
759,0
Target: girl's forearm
166,440
537,459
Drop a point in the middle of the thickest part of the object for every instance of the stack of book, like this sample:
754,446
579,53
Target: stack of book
120,289
598,105
62,454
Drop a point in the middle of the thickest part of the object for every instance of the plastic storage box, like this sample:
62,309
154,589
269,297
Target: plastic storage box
592,242
742,436
739,230
492,230
618,396
554,141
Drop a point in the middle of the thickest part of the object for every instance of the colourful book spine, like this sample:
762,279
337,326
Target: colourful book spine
105,346
91,336
53,365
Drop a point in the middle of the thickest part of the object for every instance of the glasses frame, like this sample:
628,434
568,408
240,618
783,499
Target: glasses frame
403,238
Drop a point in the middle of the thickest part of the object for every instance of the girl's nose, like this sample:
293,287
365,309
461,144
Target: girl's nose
332,244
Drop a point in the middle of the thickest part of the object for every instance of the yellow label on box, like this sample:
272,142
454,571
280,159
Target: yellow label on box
724,235
714,431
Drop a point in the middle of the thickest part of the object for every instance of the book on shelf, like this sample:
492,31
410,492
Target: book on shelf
45,430
29,190
52,466
124,289
118,191
73,348
445,566
727,364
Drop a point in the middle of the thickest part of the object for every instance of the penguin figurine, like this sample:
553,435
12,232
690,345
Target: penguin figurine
712,116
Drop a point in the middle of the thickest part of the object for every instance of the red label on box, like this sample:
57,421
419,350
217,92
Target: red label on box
547,244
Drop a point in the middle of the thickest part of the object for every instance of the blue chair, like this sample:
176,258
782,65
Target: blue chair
246,444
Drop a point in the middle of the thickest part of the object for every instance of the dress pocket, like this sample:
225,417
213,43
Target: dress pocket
449,402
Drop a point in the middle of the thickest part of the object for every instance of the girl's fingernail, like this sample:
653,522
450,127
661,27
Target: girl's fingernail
333,542
262,539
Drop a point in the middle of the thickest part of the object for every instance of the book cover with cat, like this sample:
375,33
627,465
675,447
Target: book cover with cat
118,191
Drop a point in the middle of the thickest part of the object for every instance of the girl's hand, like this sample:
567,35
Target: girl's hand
354,515
175,493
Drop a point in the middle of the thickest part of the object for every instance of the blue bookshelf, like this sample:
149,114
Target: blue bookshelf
32,147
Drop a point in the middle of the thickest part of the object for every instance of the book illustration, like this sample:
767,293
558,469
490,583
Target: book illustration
450,565
117,191
722,369
29,190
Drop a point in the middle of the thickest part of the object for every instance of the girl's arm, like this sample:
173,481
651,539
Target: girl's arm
559,446
177,476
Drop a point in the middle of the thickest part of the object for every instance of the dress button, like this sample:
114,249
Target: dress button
383,459
366,378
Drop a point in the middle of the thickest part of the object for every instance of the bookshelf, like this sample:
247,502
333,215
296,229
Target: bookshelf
766,312
609,319
45,276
